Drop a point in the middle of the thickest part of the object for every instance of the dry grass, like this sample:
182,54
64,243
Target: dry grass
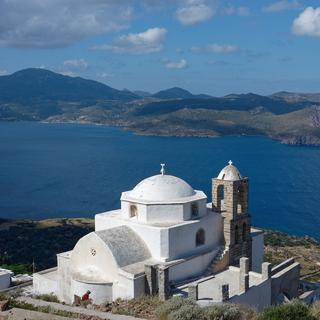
305,250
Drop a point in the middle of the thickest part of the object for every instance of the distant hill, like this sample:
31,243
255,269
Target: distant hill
296,96
178,93
240,102
142,94
43,95
34,85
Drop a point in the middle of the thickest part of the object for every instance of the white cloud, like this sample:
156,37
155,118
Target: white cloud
76,63
59,23
216,48
105,75
182,64
3,72
307,23
240,11
68,73
149,41
195,11
282,5
243,11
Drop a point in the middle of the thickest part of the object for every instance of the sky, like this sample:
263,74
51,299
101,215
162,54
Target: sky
205,46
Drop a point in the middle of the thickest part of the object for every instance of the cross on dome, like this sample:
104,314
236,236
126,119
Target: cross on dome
230,162
162,171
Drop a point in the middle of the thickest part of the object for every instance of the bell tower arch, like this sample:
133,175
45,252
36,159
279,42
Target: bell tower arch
230,198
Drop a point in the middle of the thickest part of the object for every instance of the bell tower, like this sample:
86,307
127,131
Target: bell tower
230,199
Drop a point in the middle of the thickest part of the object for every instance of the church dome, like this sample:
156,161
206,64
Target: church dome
230,173
162,187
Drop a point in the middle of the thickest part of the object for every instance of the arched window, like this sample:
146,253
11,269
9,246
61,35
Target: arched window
241,199
236,235
220,197
244,232
133,211
200,237
194,210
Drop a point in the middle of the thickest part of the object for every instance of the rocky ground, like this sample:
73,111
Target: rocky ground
280,246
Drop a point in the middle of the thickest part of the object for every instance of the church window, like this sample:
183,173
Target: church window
133,211
236,235
244,232
194,210
220,197
93,251
241,199
200,237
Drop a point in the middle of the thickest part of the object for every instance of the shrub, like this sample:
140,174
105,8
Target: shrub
291,311
162,312
142,307
47,297
223,311
315,310
3,297
187,312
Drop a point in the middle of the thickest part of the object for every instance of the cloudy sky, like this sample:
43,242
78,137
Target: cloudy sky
206,46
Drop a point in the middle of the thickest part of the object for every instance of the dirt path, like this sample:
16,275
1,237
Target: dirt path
79,310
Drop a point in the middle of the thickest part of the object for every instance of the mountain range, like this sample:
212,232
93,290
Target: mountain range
43,95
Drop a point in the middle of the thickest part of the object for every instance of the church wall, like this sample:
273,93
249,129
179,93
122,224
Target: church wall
164,212
100,292
91,253
5,279
128,287
202,209
141,209
257,296
154,237
257,251
46,282
191,267
64,276
182,238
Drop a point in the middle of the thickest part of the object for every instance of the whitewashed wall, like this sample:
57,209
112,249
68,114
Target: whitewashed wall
64,274
182,238
257,251
46,282
258,296
100,292
5,280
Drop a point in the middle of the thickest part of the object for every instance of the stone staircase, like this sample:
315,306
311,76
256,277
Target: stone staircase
219,262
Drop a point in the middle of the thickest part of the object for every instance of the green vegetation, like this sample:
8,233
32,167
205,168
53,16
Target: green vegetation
292,311
143,307
18,268
24,242
28,306
280,246
178,308
47,297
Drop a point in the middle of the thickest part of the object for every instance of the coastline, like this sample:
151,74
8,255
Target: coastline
304,141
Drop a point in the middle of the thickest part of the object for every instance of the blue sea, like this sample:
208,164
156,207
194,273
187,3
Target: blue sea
70,170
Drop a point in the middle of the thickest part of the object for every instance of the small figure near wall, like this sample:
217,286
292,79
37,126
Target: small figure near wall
86,296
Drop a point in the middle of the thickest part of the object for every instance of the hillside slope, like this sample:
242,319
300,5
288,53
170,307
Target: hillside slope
42,95
34,85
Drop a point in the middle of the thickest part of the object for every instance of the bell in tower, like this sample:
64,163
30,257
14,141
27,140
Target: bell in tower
230,199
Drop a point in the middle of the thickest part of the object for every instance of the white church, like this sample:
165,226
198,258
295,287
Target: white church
166,239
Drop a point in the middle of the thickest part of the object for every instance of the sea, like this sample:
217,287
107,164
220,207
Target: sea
78,170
